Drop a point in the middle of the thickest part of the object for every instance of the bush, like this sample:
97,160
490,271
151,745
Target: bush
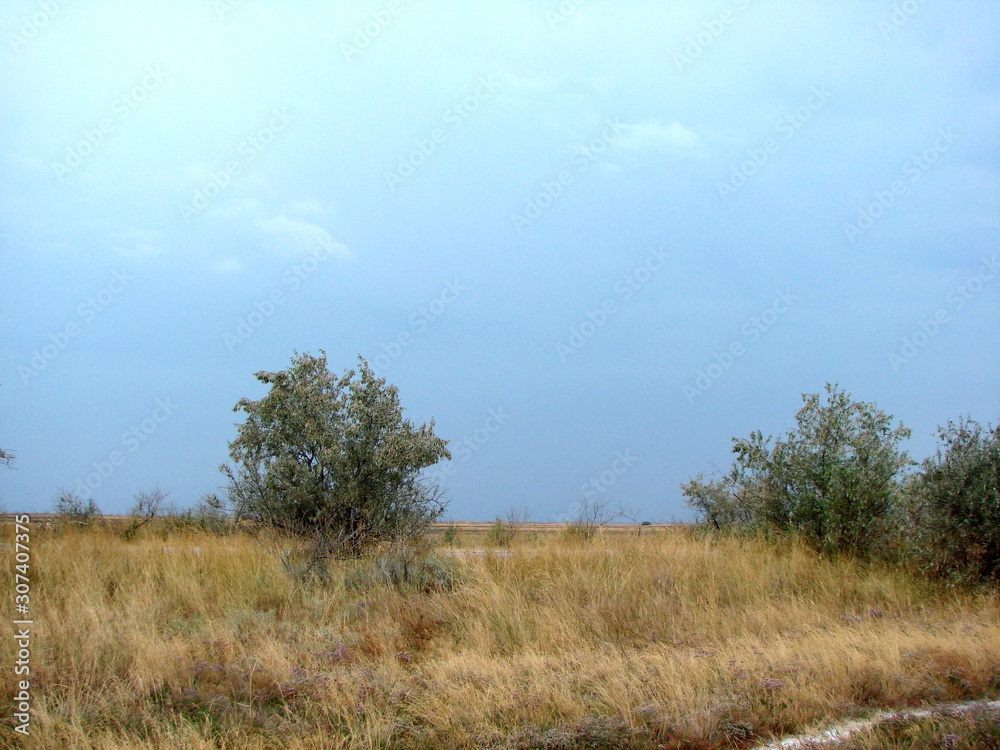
720,503
71,509
334,459
147,506
593,517
210,515
953,505
405,570
834,479
502,532
450,534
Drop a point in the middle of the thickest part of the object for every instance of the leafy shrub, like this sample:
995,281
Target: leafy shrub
834,478
450,534
502,532
954,505
333,458
209,515
721,503
71,509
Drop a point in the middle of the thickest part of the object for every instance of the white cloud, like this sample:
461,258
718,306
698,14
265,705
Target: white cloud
651,135
296,235
307,207
228,266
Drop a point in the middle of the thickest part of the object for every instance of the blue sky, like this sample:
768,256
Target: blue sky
594,241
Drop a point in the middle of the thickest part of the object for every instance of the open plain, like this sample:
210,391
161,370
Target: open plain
670,638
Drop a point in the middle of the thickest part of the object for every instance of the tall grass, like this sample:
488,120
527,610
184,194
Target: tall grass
196,641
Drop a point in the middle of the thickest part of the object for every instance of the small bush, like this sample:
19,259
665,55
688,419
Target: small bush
502,532
71,509
954,505
450,534
577,532
208,515
423,573
593,517
147,506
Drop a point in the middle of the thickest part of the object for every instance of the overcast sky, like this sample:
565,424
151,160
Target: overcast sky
593,240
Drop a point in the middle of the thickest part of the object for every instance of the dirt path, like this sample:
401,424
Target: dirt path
843,731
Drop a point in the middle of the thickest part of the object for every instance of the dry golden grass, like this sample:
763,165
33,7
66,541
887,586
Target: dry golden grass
667,640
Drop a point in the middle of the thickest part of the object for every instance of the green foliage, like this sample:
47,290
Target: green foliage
953,505
333,458
502,532
834,479
71,509
720,503
450,534
210,514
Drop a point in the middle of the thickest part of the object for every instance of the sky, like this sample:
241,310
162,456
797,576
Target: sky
594,241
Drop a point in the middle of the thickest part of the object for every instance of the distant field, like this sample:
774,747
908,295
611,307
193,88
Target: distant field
668,639
460,525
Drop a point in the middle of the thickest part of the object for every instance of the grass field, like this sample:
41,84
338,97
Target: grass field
666,639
